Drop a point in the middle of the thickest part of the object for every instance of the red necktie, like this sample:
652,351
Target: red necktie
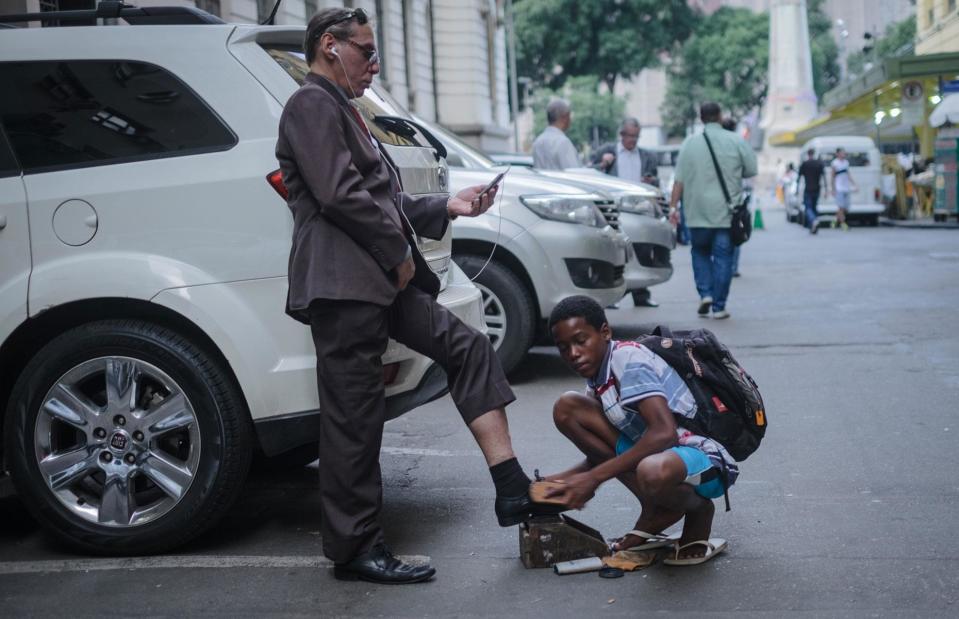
359,119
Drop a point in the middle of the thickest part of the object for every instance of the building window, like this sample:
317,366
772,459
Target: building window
309,7
931,18
381,43
409,45
210,6
68,5
950,6
263,9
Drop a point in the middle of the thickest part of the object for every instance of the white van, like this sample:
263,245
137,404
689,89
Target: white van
864,168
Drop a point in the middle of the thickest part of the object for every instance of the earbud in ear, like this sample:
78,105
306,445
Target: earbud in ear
333,51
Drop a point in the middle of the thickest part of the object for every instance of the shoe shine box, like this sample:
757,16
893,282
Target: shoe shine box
544,542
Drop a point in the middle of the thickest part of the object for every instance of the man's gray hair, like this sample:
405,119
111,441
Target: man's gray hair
629,122
556,109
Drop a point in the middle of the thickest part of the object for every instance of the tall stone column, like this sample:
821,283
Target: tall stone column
791,99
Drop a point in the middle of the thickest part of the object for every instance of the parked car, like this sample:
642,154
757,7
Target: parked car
513,159
544,240
865,167
144,350
642,216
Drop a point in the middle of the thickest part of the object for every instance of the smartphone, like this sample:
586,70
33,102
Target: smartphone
494,182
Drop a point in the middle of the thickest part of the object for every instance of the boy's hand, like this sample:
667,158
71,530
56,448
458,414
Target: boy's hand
577,491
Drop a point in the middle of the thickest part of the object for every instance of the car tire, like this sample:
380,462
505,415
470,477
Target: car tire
508,307
156,429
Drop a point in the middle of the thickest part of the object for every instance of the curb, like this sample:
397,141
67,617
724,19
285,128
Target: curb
923,224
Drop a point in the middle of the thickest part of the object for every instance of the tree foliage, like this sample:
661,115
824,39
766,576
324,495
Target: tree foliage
822,47
726,60
606,39
897,38
596,116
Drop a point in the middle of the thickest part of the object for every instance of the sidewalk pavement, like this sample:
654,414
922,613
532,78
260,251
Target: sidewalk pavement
925,223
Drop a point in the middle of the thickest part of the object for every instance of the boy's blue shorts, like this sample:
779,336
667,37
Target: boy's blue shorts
696,463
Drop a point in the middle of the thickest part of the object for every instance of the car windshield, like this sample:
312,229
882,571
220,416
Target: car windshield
458,154
374,102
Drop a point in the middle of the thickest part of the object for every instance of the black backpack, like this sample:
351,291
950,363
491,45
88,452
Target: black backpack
729,407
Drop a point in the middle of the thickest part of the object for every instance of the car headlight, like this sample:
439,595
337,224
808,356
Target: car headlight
639,205
575,209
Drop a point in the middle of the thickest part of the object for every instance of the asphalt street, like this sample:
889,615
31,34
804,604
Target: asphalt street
849,509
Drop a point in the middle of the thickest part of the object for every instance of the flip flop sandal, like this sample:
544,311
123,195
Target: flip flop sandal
653,541
714,546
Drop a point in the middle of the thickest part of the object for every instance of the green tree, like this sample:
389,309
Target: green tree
823,48
596,116
897,38
726,60
606,39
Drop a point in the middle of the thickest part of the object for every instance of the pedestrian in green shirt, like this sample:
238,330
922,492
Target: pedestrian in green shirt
708,214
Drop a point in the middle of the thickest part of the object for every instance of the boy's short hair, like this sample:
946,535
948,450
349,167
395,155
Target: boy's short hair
579,306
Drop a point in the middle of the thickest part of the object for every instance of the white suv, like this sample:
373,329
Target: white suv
144,351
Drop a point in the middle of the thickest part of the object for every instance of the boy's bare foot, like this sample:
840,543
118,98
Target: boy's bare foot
654,526
699,523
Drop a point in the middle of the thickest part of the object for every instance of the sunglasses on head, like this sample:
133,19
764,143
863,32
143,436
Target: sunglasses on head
358,14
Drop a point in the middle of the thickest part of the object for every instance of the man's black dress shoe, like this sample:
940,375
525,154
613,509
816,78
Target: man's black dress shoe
380,566
511,511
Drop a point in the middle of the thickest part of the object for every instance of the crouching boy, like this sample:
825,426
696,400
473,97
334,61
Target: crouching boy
626,428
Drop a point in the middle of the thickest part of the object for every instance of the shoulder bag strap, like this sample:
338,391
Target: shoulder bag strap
719,173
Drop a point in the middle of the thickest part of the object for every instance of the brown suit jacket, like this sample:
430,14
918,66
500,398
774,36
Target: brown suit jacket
352,223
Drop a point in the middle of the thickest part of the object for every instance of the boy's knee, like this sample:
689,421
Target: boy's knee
651,477
566,408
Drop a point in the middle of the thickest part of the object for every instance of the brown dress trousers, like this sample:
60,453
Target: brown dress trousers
352,227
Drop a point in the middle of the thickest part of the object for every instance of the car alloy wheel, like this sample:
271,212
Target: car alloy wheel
495,316
117,441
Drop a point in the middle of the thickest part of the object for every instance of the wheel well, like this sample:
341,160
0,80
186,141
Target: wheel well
38,331
504,257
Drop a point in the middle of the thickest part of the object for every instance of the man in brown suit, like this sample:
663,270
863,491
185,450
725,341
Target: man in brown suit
357,278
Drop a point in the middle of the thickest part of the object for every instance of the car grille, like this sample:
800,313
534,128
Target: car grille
610,212
652,255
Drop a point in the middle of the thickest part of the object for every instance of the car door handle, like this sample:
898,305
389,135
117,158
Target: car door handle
3,222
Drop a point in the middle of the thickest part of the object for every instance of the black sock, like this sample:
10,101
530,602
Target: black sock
509,478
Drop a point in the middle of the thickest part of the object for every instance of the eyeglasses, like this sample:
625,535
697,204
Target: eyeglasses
372,56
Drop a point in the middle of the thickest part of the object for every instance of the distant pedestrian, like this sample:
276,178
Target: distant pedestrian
552,149
842,187
625,159
708,213
812,172
629,162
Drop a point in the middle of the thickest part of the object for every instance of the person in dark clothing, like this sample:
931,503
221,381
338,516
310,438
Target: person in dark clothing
812,172
358,279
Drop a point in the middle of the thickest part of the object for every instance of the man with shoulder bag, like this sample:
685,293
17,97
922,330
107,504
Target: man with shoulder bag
708,178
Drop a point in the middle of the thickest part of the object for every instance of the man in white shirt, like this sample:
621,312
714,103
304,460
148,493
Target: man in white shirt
552,150
842,187
629,162
624,158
